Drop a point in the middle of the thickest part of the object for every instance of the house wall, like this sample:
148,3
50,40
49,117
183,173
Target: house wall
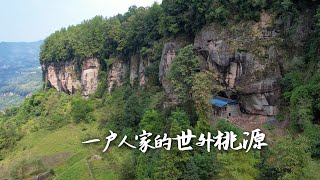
232,110
218,112
226,112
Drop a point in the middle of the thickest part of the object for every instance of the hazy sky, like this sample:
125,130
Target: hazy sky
32,20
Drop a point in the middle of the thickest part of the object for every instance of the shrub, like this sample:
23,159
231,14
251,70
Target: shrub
80,109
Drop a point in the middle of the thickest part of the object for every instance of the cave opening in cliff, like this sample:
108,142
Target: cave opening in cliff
225,95
234,97
222,94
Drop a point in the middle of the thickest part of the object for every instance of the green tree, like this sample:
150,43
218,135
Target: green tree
205,85
133,111
291,156
9,135
182,71
152,122
171,163
238,165
191,171
81,109
205,161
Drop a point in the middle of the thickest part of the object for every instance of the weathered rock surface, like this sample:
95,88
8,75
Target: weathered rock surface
144,63
138,67
247,62
64,76
134,68
168,55
61,76
89,76
261,97
246,57
44,176
116,75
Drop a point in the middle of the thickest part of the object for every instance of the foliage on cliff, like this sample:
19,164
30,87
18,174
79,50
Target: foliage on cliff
140,28
104,38
301,87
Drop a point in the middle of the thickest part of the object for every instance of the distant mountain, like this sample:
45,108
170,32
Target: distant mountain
20,72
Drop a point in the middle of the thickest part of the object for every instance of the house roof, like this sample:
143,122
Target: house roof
221,101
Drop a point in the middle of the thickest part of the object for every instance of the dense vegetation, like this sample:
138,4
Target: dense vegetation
129,109
141,28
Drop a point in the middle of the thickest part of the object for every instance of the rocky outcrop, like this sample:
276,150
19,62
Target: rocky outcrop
246,57
247,62
89,76
134,68
261,97
116,75
168,55
144,63
138,67
61,76
44,176
69,76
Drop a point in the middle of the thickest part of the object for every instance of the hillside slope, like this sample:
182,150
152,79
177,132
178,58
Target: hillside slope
204,66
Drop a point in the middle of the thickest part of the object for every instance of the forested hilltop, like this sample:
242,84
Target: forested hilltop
156,69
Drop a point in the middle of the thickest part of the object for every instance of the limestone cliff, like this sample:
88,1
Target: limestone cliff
246,57
69,77
143,79
116,75
135,69
168,55
89,76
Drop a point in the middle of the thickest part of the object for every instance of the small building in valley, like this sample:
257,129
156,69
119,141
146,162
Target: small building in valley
224,107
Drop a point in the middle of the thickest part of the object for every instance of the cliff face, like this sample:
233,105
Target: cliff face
65,76
168,55
89,76
247,60
135,68
144,63
116,75
246,57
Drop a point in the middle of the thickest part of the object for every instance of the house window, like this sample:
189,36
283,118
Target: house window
229,114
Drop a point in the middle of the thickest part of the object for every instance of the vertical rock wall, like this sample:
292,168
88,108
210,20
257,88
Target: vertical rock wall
89,76
247,61
168,55
64,76
116,75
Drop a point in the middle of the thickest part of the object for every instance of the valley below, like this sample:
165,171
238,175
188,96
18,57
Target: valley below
20,72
